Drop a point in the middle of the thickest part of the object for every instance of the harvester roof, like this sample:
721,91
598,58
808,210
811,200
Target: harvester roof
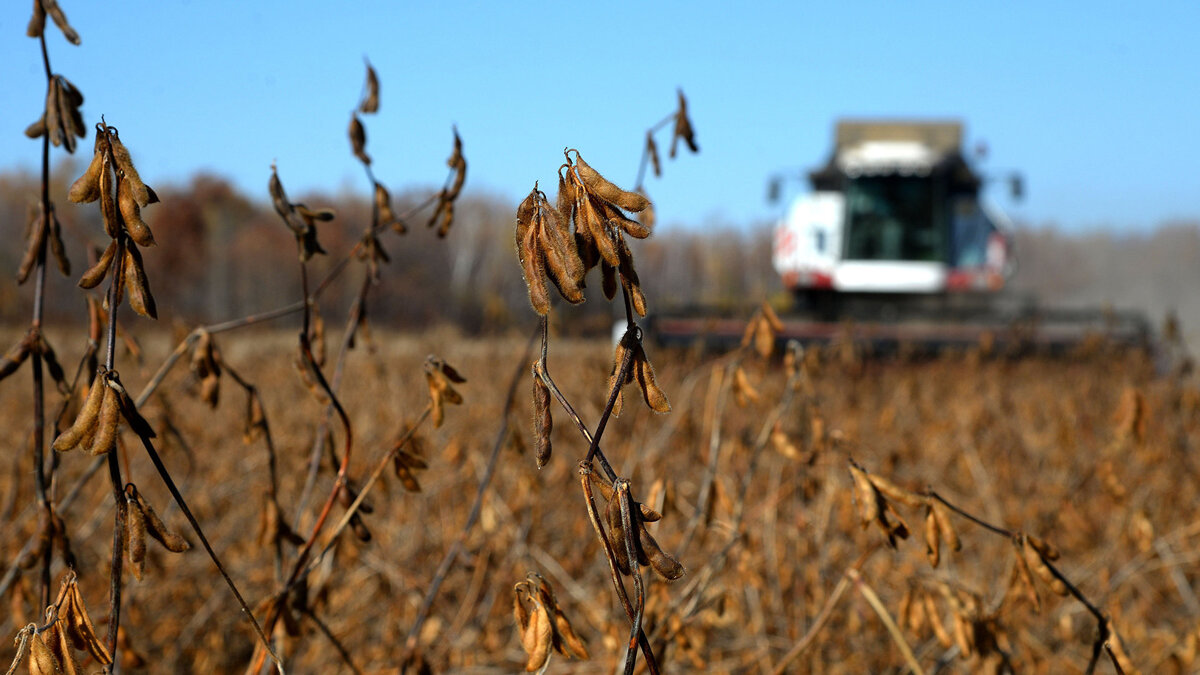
905,147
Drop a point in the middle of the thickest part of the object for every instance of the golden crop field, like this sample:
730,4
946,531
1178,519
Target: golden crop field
1091,455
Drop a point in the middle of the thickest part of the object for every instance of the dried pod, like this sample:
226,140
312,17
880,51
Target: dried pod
617,539
543,422
764,338
1039,566
108,201
652,153
601,187
964,635
140,297
534,270
60,645
87,419
932,538
864,494
131,215
358,140
383,206
897,493
16,355
37,128
106,425
570,643
300,219
135,535
141,194
683,128
53,367
644,373
935,622
155,527
946,526
37,22
743,391
99,271
1021,580
87,187
33,249
79,626
54,236
370,101
405,465
60,20
41,659
665,565
565,201
619,353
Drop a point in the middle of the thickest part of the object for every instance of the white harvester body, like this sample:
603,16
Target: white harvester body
895,210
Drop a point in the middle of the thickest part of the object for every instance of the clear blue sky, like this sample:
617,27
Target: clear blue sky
1095,102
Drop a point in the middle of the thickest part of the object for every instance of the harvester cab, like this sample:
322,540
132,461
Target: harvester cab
895,211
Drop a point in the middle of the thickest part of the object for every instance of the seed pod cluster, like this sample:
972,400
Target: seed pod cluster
647,549
542,625
546,249
37,23
33,342
441,377
640,370
95,427
443,213
300,219
407,458
52,651
141,520
875,507
761,331
597,208
61,118
1035,554
938,528
112,179
43,229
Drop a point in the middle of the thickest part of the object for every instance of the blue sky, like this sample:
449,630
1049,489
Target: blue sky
1095,103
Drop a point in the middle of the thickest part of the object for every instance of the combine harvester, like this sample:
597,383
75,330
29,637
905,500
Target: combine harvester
894,249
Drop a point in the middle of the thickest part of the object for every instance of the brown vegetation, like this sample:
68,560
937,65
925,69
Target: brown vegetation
730,524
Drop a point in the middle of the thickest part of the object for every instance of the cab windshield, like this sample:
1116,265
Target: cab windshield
893,218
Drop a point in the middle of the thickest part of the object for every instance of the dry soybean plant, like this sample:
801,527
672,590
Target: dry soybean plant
99,403
558,244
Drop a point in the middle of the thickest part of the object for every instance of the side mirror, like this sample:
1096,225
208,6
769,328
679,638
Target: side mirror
1016,187
774,188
